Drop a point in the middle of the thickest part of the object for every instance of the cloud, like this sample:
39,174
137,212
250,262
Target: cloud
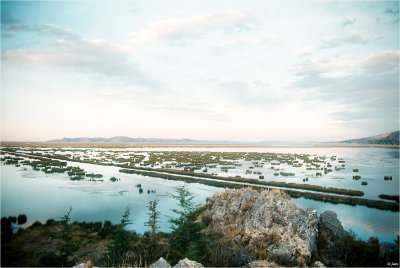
353,38
357,38
351,115
189,27
347,21
13,29
83,55
390,21
303,51
50,29
323,66
394,12
252,94
381,62
366,90
240,42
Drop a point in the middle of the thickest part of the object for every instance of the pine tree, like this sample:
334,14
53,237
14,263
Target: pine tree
184,198
120,245
69,247
186,237
154,217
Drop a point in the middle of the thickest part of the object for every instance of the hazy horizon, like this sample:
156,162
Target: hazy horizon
259,141
246,71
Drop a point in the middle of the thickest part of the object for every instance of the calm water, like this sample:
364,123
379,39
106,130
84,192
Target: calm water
42,196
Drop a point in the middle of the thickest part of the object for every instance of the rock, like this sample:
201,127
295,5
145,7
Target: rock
329,225
319,264
268,224
161,263
186,263
240,258
256,264
83,265
330,230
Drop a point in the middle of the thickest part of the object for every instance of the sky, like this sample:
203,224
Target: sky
243,70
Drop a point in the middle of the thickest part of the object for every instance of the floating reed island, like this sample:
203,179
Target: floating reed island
194,167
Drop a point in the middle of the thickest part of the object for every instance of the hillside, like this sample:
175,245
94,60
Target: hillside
391,138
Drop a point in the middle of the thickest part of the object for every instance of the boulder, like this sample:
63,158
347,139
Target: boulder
161,263
329,225
319,264
186,263
330,230
268,224
257,264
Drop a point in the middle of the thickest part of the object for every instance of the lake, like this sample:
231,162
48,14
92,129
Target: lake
43,196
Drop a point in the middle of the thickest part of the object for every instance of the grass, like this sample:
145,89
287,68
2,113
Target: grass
198,160
390,197
255,181
336,199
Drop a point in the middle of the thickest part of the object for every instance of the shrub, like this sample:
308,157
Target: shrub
50,222
50,259
22,219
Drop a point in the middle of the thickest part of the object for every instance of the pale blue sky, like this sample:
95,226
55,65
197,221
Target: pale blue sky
217,70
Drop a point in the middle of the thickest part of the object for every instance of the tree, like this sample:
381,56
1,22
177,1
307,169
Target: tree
184,198
154,217
69,247
22,219
186,237
117,249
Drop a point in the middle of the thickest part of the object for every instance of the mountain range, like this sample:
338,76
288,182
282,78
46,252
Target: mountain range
122,139
391,138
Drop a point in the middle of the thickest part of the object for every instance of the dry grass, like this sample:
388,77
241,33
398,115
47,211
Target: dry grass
261,251
301,262
235,233
219,254
248,206
276,238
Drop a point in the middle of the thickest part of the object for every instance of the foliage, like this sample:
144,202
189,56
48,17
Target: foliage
349,250
184,200
154,217
186,238
22,219
118,248
69,247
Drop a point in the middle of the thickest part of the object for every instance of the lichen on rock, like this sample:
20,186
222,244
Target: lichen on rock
268,224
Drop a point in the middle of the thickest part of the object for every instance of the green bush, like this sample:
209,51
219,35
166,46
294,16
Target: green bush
22,219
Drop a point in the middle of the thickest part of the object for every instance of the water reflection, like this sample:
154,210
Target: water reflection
42,196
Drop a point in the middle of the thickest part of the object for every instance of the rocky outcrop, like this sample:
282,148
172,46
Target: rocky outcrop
267,224
329,225
330,230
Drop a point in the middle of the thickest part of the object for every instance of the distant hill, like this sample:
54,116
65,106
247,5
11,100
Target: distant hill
122,139
391,138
